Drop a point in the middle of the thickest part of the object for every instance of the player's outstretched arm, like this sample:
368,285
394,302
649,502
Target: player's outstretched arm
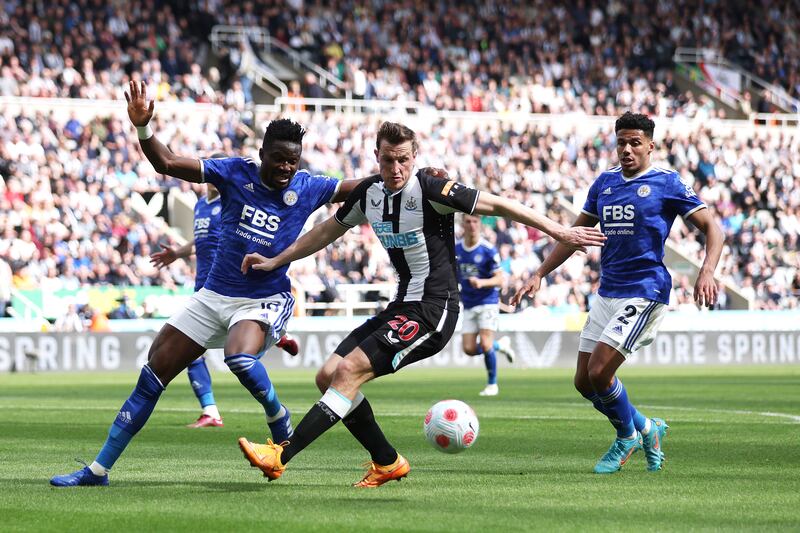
140,111
575,238
313,241
557,257
168,255
705,288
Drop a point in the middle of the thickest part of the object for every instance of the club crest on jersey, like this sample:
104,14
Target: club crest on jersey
216,210
290,197
478,258
643,191
411,204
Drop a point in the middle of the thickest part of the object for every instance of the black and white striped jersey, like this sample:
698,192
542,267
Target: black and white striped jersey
415,225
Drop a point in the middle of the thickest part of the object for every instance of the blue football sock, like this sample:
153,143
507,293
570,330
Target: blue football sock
254,377
618,408
490,360
132,416
639,420
200,380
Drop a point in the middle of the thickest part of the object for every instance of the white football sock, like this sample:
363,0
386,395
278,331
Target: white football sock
212,411
98,469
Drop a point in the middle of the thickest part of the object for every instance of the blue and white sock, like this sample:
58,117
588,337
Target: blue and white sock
200,380
130,419
254,377
640,422
618,408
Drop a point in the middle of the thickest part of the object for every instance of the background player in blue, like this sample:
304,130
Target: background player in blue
411,214
480,275
636,204
207,214
262,212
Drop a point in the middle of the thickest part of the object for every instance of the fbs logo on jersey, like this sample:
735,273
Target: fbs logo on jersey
257,220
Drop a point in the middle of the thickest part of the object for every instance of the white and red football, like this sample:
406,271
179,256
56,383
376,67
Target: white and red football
451,426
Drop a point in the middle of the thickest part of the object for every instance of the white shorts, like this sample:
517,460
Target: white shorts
625,324
480,317
208,316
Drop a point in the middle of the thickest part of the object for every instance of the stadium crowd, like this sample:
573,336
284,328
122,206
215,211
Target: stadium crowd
593,57
73,210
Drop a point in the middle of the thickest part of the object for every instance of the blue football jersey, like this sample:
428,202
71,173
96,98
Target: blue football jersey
480,261
206,236
261,220
636,215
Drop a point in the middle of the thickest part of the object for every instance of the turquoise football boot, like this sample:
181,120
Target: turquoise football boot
618,454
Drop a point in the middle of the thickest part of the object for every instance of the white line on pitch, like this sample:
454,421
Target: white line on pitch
784,417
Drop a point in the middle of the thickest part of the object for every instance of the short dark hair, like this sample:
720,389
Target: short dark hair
635,121
395,133
217,155
284,129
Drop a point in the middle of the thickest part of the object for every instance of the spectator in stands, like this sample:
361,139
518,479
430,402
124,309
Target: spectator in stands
123,310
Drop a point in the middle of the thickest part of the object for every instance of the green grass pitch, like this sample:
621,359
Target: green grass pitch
733,457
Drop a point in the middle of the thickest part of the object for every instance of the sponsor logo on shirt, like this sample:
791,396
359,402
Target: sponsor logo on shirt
389,239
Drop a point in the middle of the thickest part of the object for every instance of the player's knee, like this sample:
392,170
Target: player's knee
582,384
598,378
323,379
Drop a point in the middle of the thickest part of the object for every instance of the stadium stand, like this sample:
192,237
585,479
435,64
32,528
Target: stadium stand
68,183
68,221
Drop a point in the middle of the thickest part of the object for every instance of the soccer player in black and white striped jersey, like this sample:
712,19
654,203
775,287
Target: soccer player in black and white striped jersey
412,215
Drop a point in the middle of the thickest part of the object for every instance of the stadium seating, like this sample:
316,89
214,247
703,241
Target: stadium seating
68,182
68,220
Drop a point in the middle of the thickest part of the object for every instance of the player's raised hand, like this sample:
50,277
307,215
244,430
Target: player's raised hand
163,258
258,262
579,237
705,290
436,172
529,289
139,110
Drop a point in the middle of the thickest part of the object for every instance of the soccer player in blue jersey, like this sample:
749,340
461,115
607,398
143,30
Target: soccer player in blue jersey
480,275
264,207
207,229
411,213
636,204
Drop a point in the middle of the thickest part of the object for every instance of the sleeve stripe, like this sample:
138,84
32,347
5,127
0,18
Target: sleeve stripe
698,208
335,190
475,203
585,212
202,172
341,222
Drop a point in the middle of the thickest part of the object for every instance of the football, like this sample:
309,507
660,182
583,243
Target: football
451,426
